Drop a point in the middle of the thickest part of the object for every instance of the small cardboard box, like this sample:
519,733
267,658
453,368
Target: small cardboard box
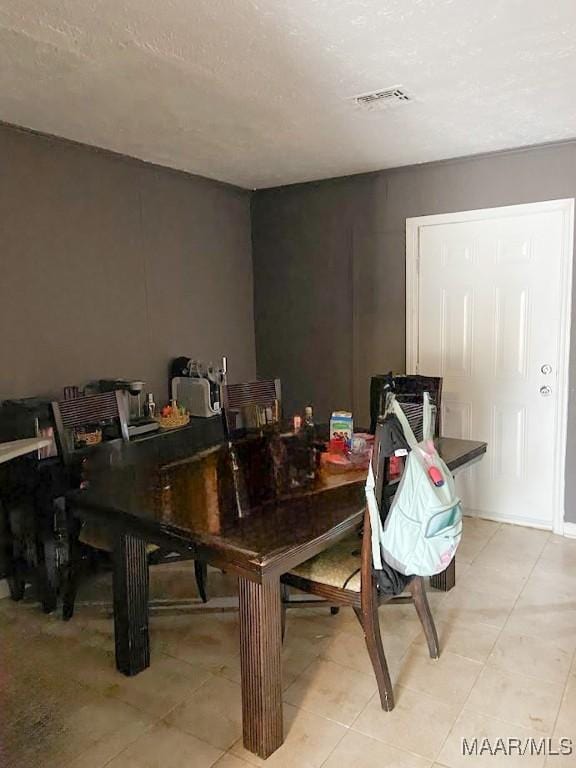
342,426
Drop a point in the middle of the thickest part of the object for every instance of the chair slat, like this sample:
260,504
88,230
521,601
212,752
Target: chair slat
84,410
262,393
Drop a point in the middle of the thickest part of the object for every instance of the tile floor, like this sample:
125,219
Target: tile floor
507,669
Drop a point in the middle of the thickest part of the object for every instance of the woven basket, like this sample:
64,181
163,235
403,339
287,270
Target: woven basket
173,421
83,439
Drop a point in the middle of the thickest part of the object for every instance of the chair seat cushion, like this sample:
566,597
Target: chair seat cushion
100,537
338,566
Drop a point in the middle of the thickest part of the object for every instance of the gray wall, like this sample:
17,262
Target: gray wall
110,267
330,273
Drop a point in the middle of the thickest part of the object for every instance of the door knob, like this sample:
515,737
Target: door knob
546,369
545,391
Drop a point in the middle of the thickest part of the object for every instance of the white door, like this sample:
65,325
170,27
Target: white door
491,317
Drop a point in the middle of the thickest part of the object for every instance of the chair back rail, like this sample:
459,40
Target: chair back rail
262,393
409,384
83,411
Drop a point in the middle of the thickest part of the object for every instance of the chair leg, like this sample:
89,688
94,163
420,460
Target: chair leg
69,593
70,581
369,621
422,606
201,573
70,570
16,582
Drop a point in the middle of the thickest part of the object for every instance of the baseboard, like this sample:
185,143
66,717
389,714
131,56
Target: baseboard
4,591
541,525
568,529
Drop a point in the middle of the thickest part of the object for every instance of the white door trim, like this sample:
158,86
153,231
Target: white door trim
566,206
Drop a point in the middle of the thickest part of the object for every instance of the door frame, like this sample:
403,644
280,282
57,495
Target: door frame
566,207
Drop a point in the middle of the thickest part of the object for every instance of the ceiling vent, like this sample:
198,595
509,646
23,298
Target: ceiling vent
387,97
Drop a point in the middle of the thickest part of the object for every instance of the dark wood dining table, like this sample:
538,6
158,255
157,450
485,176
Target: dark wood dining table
237,509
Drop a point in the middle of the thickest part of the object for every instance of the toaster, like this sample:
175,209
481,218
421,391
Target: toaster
200,397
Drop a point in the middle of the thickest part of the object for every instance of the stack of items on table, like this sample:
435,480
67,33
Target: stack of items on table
347,450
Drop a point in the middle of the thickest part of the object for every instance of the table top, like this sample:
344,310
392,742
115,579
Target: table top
15,448
256,517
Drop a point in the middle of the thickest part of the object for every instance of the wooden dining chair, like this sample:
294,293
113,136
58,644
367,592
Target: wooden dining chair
407,387
103,412
344,575
255,403
99,412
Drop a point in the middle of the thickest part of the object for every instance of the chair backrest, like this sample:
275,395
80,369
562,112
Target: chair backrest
404,386
381,470
73,414
257,402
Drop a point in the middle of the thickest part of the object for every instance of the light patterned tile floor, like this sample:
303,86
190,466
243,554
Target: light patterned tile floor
507,669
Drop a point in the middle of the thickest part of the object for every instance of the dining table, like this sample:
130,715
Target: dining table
252,506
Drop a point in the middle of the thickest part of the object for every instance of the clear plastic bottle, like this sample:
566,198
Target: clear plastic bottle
308,418
308,437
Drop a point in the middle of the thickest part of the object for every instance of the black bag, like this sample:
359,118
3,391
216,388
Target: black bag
389,580
392,436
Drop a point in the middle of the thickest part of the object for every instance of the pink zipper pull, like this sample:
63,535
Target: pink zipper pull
435,476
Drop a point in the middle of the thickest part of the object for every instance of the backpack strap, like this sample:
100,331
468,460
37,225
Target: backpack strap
376,528
428,427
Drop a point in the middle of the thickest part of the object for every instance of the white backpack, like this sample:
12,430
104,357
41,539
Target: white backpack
424,524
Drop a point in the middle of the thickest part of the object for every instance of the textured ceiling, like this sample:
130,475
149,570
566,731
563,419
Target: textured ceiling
258,92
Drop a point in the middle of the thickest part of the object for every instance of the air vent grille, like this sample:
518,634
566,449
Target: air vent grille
384,97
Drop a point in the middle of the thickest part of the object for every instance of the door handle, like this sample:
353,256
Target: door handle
546,369
545,391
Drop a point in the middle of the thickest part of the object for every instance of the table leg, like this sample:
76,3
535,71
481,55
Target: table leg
131,605
260,657
445,580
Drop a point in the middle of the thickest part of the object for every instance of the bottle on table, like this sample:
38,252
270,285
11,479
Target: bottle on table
308,418
308,428
308,436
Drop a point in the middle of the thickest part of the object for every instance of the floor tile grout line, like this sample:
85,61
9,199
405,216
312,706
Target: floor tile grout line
317,714
387,743
534,678
534,569
162,720
483,666
378,741
564,690
340,740
488,540
463,707
502,720
123,749
501,630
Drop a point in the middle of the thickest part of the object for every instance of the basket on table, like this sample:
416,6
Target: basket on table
172,416
87,436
